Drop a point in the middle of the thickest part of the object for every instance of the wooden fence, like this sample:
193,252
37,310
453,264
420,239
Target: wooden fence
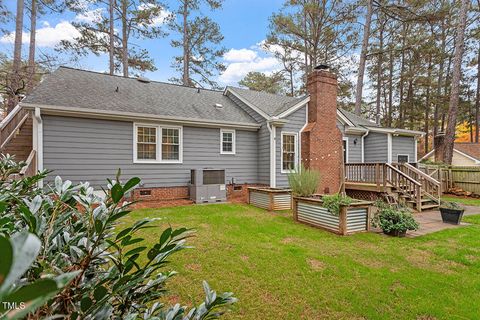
466,178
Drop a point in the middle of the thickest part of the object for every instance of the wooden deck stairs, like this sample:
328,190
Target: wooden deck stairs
400,181
16,138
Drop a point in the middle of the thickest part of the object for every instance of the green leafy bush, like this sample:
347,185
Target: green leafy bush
451,205
95,264
303,182
335,201
393,218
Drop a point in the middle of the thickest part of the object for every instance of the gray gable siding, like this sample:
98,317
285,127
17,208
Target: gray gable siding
295,123
92,150
403,145
354,150
263,142
376,147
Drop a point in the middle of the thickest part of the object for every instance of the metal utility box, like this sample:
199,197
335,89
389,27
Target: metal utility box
208,185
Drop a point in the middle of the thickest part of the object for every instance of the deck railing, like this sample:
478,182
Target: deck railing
11,124
430,186
384,175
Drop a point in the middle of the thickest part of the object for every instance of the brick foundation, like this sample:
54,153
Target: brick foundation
173,196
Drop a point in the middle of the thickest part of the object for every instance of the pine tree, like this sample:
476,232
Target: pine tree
200,40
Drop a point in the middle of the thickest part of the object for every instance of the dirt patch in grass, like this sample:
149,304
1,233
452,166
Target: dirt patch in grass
244,258
289,240
194,267
426,260
316,265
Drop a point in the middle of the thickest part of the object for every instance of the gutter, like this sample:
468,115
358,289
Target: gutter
38,140
129,116
363,145
273,133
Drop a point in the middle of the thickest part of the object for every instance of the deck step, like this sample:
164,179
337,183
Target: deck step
429,206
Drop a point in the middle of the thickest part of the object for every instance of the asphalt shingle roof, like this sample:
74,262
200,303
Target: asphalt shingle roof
271,104
67,87
357,120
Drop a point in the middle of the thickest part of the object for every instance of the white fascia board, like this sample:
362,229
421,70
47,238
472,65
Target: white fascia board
355,130
344,119
428,155
294,108
129,116
400,132
248,103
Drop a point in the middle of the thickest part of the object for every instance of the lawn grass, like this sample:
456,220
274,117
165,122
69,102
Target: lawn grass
466,201
280,269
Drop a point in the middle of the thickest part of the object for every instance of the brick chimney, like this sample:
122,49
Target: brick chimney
322,144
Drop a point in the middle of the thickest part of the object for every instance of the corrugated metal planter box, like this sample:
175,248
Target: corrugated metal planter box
352,219
270,198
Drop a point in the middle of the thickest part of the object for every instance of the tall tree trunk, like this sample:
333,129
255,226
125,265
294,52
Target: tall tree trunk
446,86
363,58
402,79
31,49
477,100
379,74
186,47
111,48
439,99
17,59
390,88
456,77
124,38
427,104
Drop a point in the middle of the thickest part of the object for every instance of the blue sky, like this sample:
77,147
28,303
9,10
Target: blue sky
244,23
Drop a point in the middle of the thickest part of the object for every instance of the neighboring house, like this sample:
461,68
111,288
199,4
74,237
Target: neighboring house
87,124
464,154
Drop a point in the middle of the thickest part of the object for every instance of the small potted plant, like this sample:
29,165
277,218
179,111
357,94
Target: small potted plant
451,212
394,220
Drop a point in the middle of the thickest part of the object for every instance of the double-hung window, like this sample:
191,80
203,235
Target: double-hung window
157,143
289,152
227,141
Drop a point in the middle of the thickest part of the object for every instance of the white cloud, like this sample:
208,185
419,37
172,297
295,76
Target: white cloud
90,16
160,18
239,62
240,55
47,36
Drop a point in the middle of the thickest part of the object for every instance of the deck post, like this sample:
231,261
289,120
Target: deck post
342,220
377,175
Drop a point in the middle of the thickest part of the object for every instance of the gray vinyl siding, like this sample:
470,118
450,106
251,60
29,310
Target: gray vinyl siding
263,142
92,150
296,121
354,150
376,145
403,145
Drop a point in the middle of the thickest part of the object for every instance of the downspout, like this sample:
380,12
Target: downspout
363,145
273,133
38,142
389,148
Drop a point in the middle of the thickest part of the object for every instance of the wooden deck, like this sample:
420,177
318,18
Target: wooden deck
402,181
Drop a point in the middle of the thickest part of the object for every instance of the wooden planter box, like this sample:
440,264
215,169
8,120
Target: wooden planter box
270,198
352,219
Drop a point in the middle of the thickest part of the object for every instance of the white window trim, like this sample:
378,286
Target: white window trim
281,150
234,141
346,149
159,128
402,154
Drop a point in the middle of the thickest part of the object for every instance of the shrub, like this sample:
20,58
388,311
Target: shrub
335,201
393,218
303,182
96,264
451,205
